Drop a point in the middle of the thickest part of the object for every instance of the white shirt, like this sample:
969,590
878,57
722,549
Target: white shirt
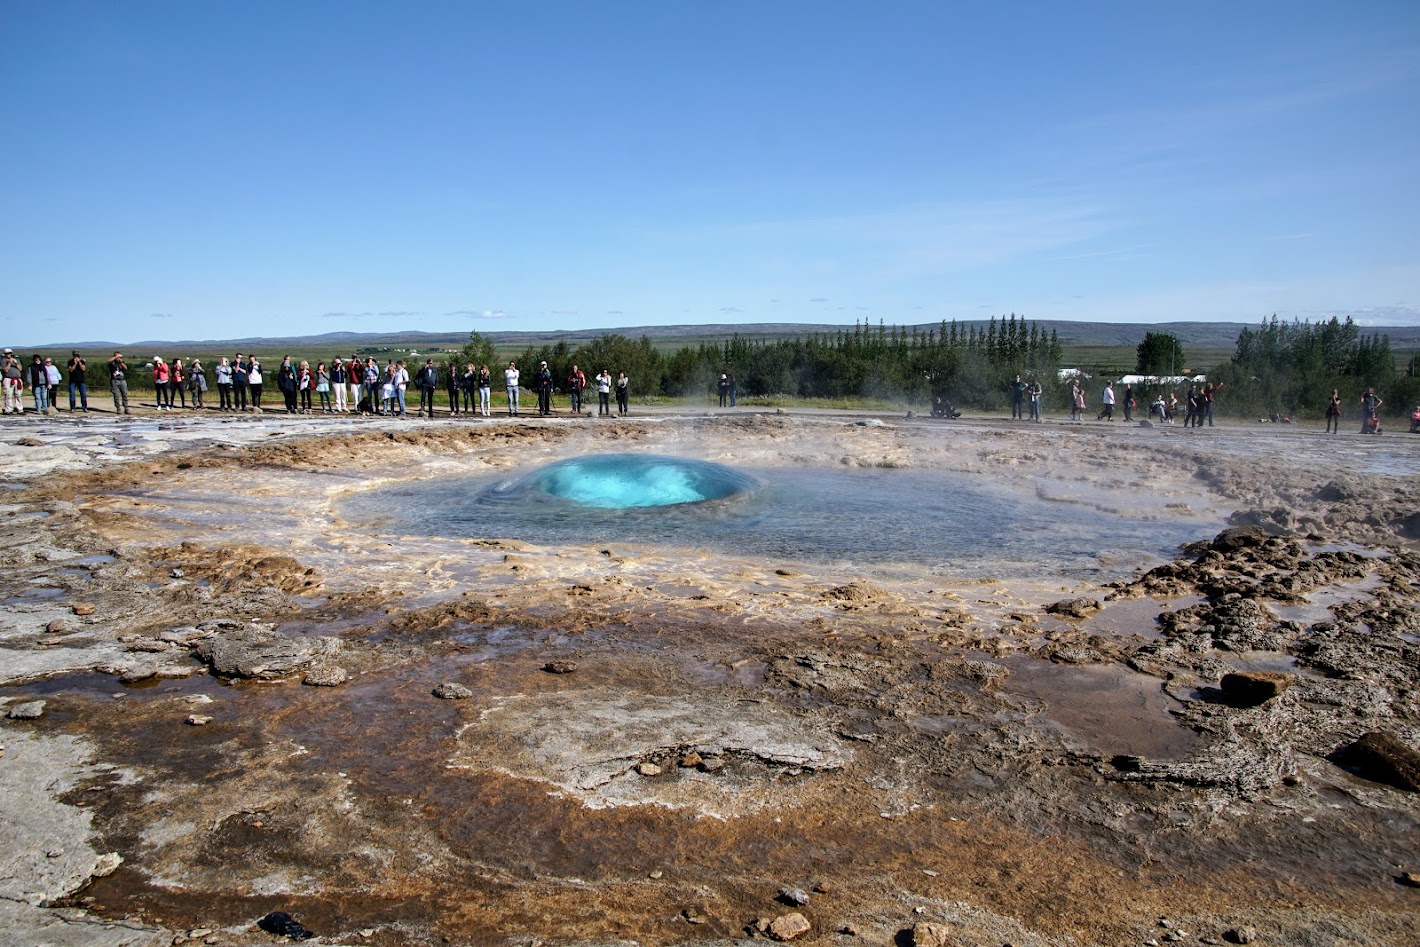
510,377
1109,395
604,383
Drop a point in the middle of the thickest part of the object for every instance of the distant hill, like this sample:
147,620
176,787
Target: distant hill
1202,335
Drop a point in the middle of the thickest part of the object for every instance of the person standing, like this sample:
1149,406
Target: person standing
544,390
223,373
14,384
1018,399
604,394
454,386
576,384
401,387
1128,403
255,379
1107,399
78,378
1210,391
427,381
723,388
286,383
305,381
197,381
39,385
510,381
623,394
1033,392
468,384
52,379
1077,401
161,374
118,382
241,382
177,383
373,386
1370,405
1333,412
356,367
339,378
485,391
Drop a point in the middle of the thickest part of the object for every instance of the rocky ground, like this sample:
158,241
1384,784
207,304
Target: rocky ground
232,716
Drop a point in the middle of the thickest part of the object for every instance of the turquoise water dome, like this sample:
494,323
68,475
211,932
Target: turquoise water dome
623,481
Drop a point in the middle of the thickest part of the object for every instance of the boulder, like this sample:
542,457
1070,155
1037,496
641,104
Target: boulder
788,926
30,710
1073,608
1384,758
451,691
927,934
257,652
1240,537
1252,688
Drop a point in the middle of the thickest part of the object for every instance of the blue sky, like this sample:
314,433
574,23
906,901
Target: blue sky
220,169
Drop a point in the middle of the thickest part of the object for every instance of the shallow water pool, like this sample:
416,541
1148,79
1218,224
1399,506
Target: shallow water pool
948,522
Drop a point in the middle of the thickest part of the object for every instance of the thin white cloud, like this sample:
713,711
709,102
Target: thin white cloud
160,315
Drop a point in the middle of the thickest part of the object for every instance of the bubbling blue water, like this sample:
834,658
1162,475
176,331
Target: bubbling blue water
623,481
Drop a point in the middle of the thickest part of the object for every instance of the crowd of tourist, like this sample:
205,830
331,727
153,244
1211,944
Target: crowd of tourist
342,386
363,385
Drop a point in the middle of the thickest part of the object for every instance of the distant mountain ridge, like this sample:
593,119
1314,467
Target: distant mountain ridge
1212,335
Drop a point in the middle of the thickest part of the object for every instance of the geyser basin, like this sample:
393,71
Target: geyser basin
945,522
622,481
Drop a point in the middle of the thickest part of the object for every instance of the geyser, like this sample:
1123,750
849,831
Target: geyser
620,481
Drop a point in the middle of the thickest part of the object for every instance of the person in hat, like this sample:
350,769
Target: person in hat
544,390
118,383
78,379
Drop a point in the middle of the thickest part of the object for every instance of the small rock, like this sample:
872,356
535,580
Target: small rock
178,573
61,626
1252,688
30,710
29,442
848,930
107,865
788,926
797,897
326,675
655,874
1240,935
54,853
648,769
451,691
1411,879
691,760
1383,757
198,720
560,667
194,698
710,764
82,608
